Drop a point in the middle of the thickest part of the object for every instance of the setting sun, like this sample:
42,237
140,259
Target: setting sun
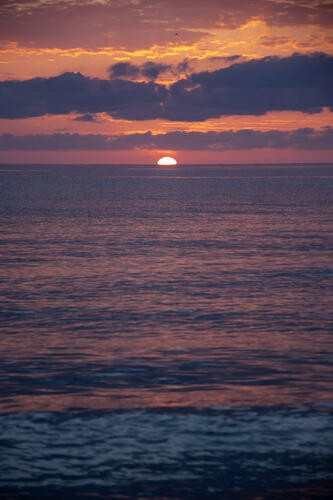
167,160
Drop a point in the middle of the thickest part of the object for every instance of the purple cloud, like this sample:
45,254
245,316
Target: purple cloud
127,70
305,139
296,83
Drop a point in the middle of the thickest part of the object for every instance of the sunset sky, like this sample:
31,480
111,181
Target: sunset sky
128,81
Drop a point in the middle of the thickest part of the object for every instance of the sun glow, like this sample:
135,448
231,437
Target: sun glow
167,160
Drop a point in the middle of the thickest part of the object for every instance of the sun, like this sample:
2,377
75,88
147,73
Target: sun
167,160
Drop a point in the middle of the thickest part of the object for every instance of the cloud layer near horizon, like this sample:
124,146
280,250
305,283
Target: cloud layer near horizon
296,83
301,139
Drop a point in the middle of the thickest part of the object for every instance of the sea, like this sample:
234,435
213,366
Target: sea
166,332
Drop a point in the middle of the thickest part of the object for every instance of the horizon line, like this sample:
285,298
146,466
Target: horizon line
82,164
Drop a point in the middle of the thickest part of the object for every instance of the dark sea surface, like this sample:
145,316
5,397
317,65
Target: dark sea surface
166,332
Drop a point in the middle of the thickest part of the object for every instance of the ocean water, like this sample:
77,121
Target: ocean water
166,332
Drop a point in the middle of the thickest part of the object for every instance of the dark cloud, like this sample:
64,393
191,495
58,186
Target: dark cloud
185,66
149,70
301,139
273,72
86,118
296,83
225,58
73,92
54,142
152,70
124,69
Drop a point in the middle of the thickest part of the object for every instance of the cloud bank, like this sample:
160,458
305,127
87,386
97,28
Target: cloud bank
307,139
296,83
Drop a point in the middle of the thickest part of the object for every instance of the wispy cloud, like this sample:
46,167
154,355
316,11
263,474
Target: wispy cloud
116,23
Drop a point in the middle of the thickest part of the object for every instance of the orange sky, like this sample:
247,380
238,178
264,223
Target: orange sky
45,38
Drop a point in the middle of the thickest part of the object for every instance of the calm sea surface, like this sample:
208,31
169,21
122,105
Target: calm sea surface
166,332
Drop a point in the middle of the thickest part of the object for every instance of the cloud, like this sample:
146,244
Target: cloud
86,118
73,92
93,25
305,139
225,58
296,83
124,23
152,70
273,41
149,70
124,69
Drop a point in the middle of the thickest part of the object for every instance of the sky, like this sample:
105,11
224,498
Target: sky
129,81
